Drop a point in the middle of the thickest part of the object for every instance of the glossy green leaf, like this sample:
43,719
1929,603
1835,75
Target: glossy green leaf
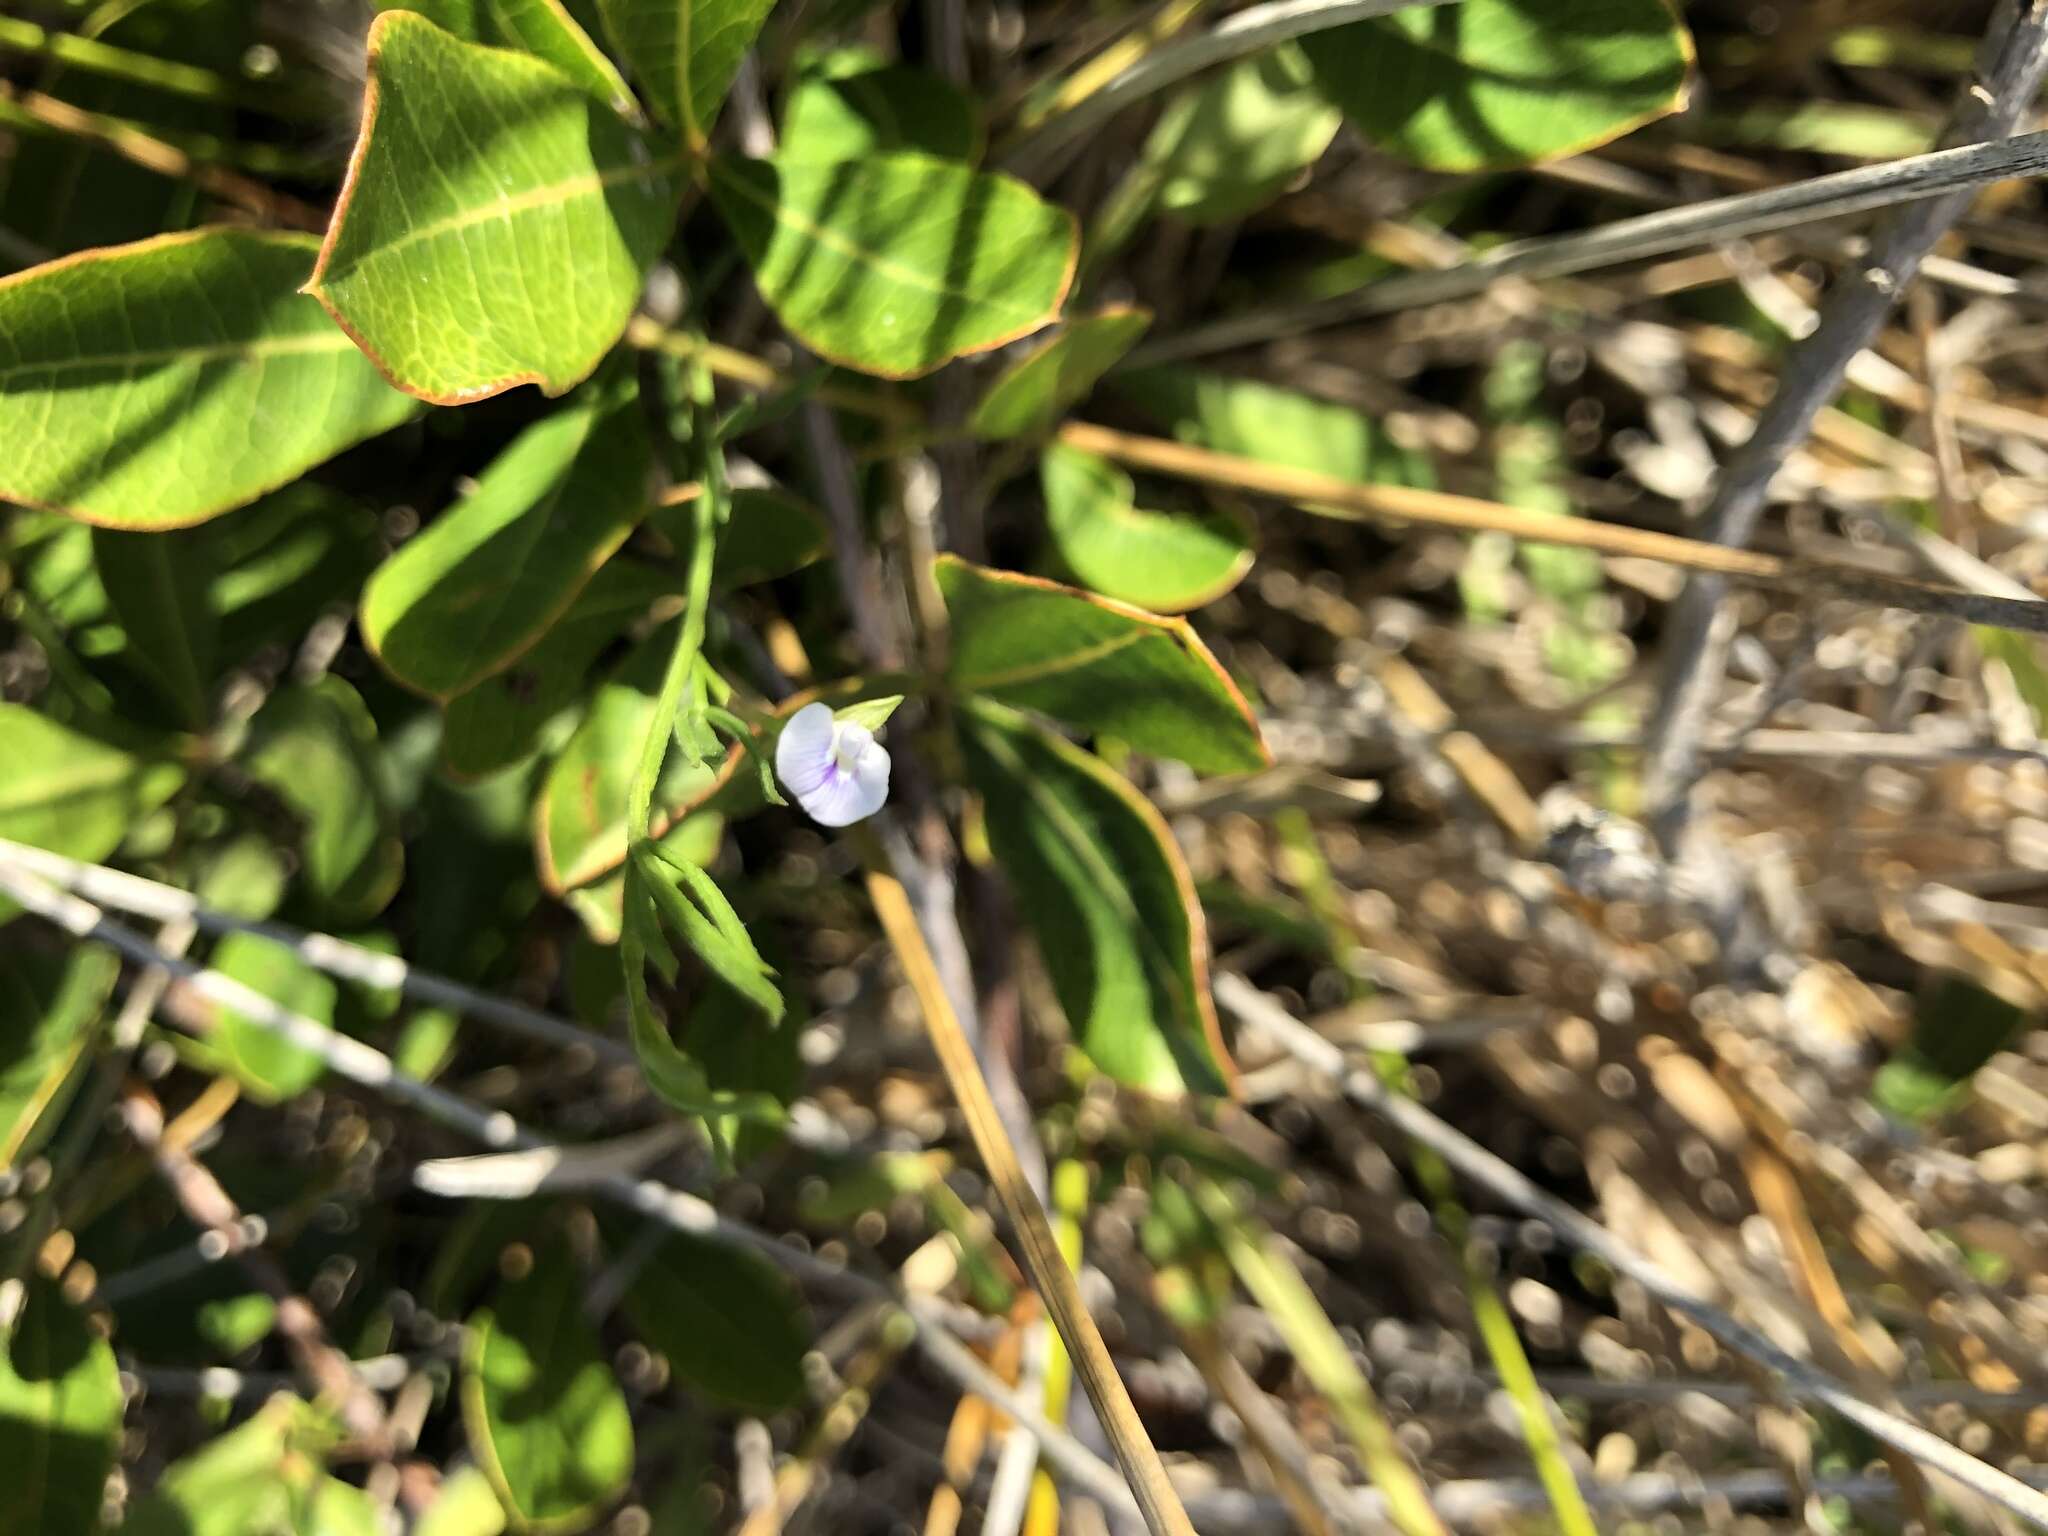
496,222
315,747
839,115
1035,391
1102,885
544,28
1235,141
1505,82
266,1475
728,1322
60,1418
1165,561
684,54
500,720
1281,426
159,384
50,1004
580,818
897,263
545,1417
487,578
268,1066
1096,665
69,792
159,586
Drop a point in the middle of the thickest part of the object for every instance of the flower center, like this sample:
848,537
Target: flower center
849,741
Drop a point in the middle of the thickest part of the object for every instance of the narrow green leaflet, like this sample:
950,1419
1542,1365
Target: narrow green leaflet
162,383
897,263
1233,143
1102,885
159,586
500,720
69,792
265,1475
580,817
50,1003
842,115
691,905
315,747
1490,83
684,54
695,837
496,222
545,1417
60,1418
728,1322
1096,665
544,28
1281,426
271,1068
1035,391
491,575
1168,562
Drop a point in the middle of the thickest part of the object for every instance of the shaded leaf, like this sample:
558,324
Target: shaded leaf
724,1037
1035,391
1235,141
496,222
50,1005
1102,885
265,1475
315,747
162,383
842,115
284,560
728,1322
896,263
1505,82
1165,561
695,837
1096,665
1958,1025
489,577
545,1417
268,1066
159,586
691,904
768,533
544,28
684,54
60,1417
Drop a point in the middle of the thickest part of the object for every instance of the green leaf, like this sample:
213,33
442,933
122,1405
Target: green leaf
684,54
1505,82
1096,665
315,747
1163,561
728,1322
897,263
724,1039
696,837
580,820
769,533
872,713
691,903
1035,391
466,1505
159,586
500,720
545,1417
1280,426
544,28
1234,142
1958,1025
60,1418
496,222
69,792
159,384
270,1067
265,1477
868,111
1102,885
489,577
50,1004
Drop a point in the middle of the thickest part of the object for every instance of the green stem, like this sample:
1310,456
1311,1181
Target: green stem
689,641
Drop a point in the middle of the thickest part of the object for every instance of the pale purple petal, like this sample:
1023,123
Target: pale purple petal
803,755
836,769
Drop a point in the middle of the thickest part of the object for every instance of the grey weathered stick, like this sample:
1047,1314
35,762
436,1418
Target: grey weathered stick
1916,177
1699,631
1476,1163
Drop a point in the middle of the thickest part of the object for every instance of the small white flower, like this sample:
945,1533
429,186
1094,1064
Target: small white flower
836,769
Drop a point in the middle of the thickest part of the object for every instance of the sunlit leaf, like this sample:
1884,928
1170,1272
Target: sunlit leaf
60,1417
842,115
464,1505
1505,82
684,54
896,263
159,585
544,28
1165,561
1097,665
1234,142
696,837
488,578
159,384
1035,391
496,222
267,1065
1102,885
729,1324
265,1475
50,1003
545,1417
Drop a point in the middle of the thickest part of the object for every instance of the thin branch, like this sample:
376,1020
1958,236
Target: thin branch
1798,1378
